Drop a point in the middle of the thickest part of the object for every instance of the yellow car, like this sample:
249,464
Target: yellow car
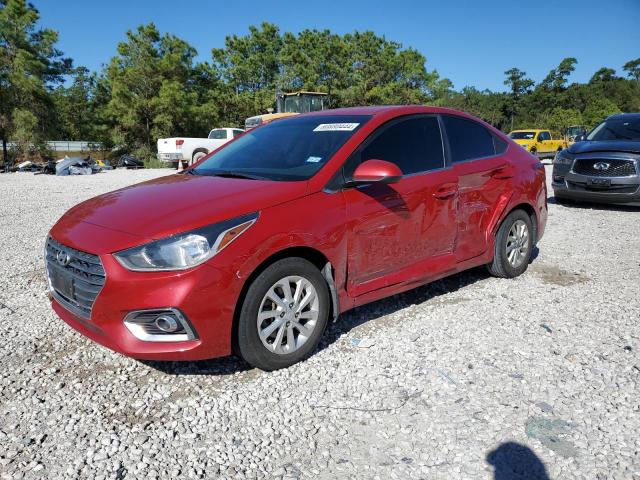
539,142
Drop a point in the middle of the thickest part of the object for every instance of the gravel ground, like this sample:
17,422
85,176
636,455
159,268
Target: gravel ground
469,377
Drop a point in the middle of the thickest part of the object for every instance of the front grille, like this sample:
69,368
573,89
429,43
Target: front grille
75,279
615,167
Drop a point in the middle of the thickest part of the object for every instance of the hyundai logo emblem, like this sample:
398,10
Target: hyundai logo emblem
63,258
601,166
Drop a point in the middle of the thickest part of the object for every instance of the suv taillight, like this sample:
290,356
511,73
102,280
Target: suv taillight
179,142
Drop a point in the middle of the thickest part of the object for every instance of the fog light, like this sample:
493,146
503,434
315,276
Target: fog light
160,325
166,323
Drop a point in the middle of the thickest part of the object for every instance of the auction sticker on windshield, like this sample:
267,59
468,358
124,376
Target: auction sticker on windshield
336,127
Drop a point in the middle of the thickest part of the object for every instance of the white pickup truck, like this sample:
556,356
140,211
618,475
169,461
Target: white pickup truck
190,150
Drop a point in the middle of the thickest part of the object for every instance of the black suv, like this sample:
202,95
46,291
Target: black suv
603,166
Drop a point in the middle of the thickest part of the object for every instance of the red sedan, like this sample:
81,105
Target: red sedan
258,245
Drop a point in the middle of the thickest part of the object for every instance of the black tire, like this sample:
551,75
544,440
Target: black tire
197,155
249,345
533,151
500,266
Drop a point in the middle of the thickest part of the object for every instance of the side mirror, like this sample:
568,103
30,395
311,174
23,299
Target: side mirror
581,138
377,171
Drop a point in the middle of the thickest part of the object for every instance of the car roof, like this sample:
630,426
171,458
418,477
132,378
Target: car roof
624,116
380,109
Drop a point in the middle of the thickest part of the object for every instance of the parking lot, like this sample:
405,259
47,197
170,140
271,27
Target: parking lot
468,377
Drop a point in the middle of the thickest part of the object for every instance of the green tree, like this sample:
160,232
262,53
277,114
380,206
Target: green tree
314,60
557,78
380,71
249,66
29,64
603,75
484,104
632,67
519,85
75,106
560,119
597,110
25,130
151,89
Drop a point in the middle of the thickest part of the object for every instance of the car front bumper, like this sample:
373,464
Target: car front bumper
584,187
205,295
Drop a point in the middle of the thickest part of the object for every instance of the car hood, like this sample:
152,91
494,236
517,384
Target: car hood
177,203
628,146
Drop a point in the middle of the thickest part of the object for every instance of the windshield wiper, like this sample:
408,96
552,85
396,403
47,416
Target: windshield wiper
232,174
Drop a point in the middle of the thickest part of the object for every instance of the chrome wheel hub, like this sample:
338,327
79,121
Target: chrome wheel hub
517,244
288,314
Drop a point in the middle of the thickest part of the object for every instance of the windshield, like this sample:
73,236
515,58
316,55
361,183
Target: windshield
522,135
252,122
617,129
302,103
575,131
286,149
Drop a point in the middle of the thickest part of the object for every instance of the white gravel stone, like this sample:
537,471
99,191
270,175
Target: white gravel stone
463,378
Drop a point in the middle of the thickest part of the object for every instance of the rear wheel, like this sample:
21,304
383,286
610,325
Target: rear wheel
284,314
197,156
513,246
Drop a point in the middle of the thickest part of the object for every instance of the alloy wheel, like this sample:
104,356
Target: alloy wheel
288,314
517,243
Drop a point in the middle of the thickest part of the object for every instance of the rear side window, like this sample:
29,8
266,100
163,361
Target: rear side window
499,145
468,139
414,145
237,132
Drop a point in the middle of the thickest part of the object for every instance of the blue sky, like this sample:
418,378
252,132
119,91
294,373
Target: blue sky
470,42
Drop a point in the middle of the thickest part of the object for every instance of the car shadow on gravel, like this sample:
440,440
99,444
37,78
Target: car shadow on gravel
217,366
584,205
345,322
513,461
387,306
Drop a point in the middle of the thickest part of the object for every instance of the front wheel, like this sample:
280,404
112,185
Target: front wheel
513,246
284,314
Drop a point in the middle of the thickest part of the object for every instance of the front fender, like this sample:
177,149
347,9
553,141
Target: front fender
315,222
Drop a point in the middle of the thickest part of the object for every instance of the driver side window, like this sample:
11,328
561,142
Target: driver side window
413,144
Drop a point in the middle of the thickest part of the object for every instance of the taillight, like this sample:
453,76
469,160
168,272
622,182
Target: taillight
179,142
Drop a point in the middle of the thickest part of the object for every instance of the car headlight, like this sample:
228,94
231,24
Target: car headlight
185,250
563,159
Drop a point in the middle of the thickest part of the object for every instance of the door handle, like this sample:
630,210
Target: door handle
446,192
502,173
